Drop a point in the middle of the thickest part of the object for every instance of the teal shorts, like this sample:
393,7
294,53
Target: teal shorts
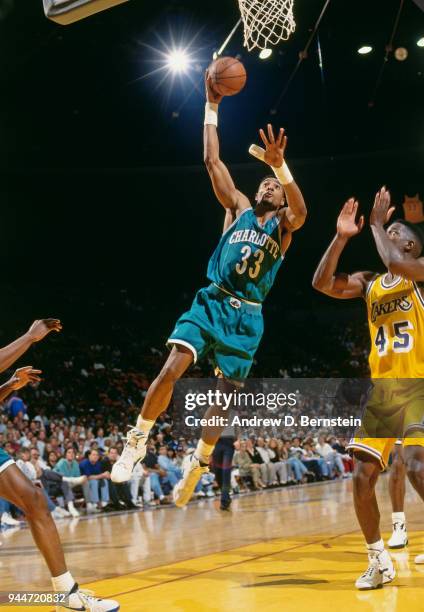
5,460
227,328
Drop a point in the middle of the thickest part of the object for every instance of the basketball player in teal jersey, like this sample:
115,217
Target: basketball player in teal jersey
225,318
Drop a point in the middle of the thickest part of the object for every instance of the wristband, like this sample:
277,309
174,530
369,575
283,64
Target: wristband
283,173
211,114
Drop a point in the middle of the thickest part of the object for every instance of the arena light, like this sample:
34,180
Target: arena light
178,61
265,53
420,42
364,50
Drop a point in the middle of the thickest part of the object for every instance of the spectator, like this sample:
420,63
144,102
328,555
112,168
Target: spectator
155,473
16,406
332,457
294,461
96,490
279,465
247,468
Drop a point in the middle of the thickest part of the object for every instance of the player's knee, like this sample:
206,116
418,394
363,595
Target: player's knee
415,469
34,502
168,375
364,481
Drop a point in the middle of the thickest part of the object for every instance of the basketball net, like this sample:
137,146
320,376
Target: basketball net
266,22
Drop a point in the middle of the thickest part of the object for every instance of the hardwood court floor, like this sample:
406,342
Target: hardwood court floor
291,549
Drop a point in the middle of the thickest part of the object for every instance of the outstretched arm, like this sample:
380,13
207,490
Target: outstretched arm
395,260
326,279
38,330
223,184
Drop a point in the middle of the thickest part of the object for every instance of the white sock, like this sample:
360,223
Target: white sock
376,546
64,583
144,425
204,451
398,517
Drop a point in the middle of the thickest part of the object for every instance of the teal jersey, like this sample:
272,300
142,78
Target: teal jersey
247,258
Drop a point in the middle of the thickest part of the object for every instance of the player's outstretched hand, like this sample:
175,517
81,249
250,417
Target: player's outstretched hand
381,211
40,328
274,147
347,227
23,377
211,94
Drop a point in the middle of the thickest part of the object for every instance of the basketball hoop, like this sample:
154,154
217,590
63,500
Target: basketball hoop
266,22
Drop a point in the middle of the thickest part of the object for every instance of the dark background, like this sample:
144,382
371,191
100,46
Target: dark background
106,209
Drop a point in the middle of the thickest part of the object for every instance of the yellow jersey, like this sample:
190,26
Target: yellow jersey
396,323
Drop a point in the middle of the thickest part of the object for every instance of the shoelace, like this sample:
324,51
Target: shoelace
369,571
398,526
89,595
134,433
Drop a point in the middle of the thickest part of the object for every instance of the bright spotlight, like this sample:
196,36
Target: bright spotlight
178,61
420,42
265,53
364,50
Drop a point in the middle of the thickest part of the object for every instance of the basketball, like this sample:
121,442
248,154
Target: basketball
228,76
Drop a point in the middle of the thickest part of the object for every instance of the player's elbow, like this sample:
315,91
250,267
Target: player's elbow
318,285
211,161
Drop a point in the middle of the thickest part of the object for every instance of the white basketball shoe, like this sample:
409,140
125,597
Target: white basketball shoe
183,490
85,601
380,571
399,537
134,451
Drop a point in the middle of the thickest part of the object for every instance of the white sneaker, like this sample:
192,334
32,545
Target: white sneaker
73,511
64,513
92,508
8,520
83,600
380,571
210,494
399,538
56,514
134,451
200,494
419,559
183,490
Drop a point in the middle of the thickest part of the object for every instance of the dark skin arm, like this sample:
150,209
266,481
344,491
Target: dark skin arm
38,330
222,183
294,215
21,378
326,278
396,260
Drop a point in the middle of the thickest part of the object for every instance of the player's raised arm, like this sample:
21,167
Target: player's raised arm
294,214
398,248
38,330
223,184
338,284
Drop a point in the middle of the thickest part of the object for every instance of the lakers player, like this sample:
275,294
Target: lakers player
225,319
395,307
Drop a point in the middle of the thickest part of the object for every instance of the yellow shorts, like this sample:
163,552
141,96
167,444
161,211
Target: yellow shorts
380,448
394,408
